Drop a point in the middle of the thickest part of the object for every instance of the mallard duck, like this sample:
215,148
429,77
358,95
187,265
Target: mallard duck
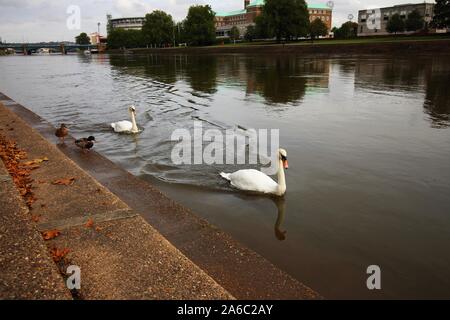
85,143
62,132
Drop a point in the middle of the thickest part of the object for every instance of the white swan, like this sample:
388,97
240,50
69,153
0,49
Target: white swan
254,180
127,126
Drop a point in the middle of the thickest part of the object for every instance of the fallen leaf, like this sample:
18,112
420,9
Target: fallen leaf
89,223
59,254
64,182
48,235
98,229
35,218
35,161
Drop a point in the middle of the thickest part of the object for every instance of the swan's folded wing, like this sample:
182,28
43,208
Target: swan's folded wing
253,180
122,126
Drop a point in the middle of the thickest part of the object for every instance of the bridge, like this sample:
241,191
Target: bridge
29,48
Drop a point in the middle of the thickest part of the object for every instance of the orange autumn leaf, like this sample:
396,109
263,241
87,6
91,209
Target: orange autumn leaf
89,223
59,254
35,161
48,235
64,182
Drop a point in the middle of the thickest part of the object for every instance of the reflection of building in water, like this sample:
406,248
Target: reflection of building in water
286,79
277,79
402,74
253,8
414,75
374,21
437,98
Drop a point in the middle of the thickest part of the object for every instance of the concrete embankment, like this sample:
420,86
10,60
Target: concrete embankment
99,209
441,46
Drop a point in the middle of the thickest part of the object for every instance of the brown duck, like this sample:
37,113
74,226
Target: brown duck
85,143
62,132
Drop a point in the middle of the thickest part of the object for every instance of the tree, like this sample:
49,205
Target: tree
82,39
180,35
234,33
414,21
262,29
158,28
200,25
441,17
250,33
395,24
286,18
347,30
317,28
121,38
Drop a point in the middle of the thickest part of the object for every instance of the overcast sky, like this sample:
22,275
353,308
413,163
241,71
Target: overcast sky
46,20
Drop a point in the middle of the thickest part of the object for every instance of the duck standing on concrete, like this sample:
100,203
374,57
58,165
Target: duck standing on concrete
62,132
85,143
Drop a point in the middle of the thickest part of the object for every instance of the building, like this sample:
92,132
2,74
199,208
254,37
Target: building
96,38
372,22
253,8
132,23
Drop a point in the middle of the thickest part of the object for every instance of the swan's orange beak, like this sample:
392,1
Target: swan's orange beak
285,164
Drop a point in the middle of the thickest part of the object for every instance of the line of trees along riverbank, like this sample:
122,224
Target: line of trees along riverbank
198,28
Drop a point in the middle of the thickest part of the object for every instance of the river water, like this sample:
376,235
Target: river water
368,141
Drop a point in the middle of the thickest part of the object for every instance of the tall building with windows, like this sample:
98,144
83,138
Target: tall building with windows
131,23
372,22
253,8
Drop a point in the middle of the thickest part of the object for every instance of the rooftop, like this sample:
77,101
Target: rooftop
257,3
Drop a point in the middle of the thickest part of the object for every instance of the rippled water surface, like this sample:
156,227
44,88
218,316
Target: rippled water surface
368,142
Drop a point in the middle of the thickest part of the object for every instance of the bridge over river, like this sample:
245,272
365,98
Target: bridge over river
63,48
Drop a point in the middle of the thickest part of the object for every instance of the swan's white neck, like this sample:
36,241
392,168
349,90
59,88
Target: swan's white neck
281,179
134,128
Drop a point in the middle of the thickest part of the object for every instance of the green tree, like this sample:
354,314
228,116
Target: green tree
158,28
414,21
180,35
262,28
82,39
200,25
234,33
317,28
347,30
395,24
287,18
120,38
250,33
441,17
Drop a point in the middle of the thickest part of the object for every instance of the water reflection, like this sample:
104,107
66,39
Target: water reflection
279,80
437,100
280,234
410,75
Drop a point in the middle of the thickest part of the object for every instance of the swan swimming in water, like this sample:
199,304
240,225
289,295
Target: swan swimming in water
254,180
126,126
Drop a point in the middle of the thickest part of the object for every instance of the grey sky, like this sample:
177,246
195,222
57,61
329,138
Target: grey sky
45,20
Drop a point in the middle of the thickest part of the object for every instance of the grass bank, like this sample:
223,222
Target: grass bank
388,44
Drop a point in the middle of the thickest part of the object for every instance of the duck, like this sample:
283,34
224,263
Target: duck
126,126
85,143
62,132
257,181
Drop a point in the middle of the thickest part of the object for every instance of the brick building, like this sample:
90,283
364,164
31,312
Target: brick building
252,8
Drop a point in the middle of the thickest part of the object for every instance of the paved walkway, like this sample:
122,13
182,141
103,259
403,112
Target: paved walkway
120,255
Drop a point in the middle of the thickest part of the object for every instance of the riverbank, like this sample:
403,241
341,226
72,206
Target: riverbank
439,45
95,208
